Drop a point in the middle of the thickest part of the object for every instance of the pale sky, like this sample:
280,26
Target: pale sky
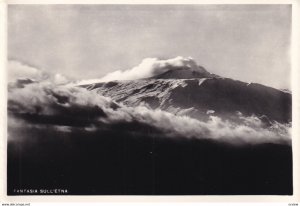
246,42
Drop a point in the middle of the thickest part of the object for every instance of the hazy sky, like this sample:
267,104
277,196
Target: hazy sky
245,42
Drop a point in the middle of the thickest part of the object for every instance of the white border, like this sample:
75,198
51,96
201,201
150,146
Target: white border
295,48
3,98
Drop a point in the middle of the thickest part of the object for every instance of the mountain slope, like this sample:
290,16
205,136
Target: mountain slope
198,97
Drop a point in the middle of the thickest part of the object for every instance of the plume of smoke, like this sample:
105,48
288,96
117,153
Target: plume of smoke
147,68
93,110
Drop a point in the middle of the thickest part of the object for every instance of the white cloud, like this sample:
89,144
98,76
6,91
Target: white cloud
19,70
59,101
147,68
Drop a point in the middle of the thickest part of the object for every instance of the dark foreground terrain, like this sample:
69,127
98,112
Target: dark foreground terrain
135,159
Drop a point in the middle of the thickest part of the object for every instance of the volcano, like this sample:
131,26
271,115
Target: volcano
176,130
195,92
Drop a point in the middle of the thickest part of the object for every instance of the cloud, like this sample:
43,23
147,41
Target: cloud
18,70
64,107
147,68
49,99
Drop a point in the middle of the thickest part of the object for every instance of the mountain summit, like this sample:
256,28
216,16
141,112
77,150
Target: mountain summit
182,87
176,68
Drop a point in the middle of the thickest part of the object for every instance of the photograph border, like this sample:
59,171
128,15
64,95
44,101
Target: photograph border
295,82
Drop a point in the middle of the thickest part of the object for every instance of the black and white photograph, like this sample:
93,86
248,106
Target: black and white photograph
149,99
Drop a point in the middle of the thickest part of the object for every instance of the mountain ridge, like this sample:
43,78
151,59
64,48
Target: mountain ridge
190,90
196,96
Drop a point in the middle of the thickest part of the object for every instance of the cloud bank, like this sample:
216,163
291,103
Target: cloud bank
18,70
147,68
64,108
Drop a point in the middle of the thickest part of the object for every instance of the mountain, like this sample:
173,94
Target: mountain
198,94
88,144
